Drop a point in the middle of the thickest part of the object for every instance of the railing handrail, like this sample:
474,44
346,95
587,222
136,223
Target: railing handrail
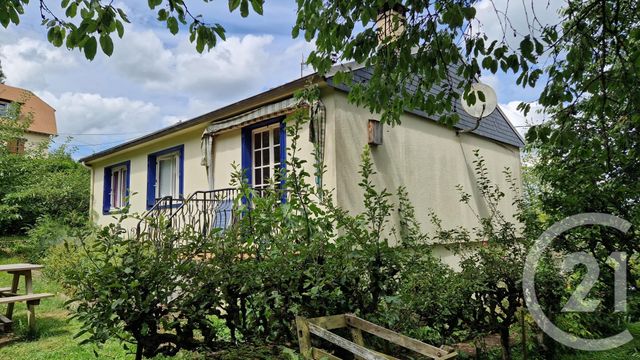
156,206
200,209
193,195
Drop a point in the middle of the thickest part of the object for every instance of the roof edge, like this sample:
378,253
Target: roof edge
223,112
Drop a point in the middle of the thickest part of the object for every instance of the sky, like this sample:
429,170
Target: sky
155,79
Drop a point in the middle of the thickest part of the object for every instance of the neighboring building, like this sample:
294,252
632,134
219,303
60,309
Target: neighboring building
429,159
42,116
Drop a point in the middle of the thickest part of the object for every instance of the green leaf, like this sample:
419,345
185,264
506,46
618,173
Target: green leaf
469,12
119,28
72,10
4,19
244,8
90,48
51,34
172,24
106,44
123,16
257,6
220,31
163,14
59,38
233,4
154,3
526,47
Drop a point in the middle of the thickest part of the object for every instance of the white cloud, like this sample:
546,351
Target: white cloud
522,123
142,57
26,62
491,80
233,69
115,118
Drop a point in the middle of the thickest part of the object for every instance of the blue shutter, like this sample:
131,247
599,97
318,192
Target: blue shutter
106,193
246,153
151,181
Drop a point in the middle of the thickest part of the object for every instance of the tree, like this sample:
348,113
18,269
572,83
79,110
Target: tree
87,23
2,77
588,150
426,58
425,52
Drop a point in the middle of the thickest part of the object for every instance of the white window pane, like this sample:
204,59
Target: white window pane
115,189
118,184
123,188
166,175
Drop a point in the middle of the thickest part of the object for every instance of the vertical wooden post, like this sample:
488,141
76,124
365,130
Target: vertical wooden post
27,282
14,289
356,334
31,317
304,338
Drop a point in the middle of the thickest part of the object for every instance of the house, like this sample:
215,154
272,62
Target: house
179,162
42,117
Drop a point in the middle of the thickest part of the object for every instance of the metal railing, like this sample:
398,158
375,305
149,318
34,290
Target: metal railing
204,211
163,208
201,212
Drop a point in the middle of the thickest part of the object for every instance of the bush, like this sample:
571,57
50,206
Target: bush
301,257
40,184
46,233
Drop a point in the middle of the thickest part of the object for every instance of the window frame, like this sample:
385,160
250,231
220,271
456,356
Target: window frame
270,164
247,146
175,176
153,172
107,206
17,146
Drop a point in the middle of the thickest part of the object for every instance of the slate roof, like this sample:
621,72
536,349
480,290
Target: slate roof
495,126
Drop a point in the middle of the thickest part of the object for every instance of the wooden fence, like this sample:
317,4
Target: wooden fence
321,327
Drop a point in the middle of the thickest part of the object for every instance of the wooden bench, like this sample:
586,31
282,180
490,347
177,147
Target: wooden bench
31,299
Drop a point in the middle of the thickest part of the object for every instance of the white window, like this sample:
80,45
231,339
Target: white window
167,175
266,155
118,187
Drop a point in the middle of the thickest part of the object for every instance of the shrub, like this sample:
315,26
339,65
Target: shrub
46,233
303,256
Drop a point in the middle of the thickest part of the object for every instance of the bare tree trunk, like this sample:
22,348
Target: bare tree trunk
506,345
139,352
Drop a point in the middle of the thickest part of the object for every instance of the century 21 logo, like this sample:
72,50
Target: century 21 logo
578,302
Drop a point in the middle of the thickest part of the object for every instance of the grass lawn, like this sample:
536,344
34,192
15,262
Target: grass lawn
54,333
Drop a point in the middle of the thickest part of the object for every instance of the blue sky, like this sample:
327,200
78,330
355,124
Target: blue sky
154,79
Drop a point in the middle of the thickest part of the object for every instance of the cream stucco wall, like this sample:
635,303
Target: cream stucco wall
195,177
427,158
34,140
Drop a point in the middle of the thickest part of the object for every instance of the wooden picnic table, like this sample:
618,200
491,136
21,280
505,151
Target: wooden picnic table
10,295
